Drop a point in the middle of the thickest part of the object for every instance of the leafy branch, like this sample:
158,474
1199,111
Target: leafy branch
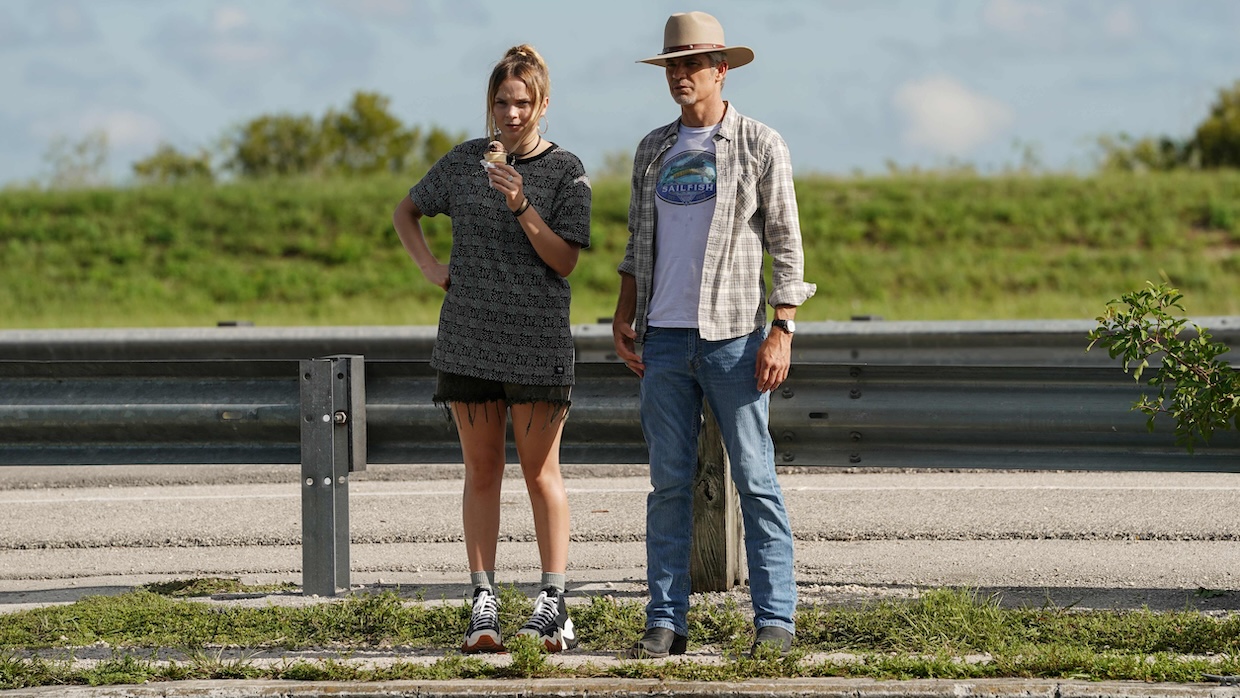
1195,388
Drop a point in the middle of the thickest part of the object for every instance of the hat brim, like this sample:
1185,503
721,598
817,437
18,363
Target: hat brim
737,56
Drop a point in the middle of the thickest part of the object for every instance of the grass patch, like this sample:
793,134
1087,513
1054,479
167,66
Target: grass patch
211,586
943,634
909,247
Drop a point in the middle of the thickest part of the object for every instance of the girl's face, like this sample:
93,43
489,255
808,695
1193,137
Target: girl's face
514,110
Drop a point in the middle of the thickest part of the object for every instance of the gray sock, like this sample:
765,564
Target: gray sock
486,580
557,580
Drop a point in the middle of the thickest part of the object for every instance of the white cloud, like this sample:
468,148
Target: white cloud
226,50
12,34
240,52
245,57
79,80
1014,16
1121,23
945,117
227,19
125,129
62,22
68,20
376,9
470,13
232,41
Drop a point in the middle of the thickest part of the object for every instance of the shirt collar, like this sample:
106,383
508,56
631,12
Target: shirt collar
727,127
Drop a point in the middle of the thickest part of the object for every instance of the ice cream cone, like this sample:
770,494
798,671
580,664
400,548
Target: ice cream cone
496,152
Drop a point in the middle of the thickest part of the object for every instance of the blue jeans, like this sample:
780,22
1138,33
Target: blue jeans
681,368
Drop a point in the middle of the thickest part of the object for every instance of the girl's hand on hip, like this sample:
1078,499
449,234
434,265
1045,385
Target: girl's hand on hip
438,274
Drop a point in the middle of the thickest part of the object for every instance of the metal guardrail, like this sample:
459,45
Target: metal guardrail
984,395
248,411
836,415
971,343
1020,417
190,412
156,412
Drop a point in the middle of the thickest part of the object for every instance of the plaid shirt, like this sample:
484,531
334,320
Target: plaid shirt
755,211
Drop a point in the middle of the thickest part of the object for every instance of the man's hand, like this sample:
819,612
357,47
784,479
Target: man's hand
625,337
774,360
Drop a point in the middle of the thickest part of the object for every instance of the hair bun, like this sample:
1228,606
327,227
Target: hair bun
526,52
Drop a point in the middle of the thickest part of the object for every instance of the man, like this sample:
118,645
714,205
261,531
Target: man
710,192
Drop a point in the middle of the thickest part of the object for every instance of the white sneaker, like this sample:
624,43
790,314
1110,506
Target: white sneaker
550,623
483,632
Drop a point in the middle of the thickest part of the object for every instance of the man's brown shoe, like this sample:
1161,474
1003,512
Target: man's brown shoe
656,643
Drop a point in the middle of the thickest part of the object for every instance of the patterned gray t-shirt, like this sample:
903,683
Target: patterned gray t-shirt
505,315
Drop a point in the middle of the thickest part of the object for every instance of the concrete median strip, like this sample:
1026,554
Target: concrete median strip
1080,541
585,663
630,688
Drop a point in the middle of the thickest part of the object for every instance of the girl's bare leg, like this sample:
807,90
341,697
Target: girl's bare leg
539,451
482,432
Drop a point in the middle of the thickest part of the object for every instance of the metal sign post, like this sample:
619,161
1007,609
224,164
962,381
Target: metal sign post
333,445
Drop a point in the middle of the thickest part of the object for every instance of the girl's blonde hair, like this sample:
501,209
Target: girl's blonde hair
525,64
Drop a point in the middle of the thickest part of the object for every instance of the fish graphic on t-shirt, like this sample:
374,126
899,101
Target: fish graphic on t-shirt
688,178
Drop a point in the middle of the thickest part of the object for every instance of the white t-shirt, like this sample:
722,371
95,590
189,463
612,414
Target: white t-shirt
684,206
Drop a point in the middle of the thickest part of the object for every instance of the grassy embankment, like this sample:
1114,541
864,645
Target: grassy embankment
943,634
306,252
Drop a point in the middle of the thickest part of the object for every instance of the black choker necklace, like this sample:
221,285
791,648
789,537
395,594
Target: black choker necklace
513,157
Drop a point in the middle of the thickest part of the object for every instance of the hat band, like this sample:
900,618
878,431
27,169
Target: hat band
691,47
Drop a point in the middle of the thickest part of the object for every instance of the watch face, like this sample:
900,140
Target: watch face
789,326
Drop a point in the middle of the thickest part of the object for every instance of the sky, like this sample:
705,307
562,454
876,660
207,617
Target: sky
852,85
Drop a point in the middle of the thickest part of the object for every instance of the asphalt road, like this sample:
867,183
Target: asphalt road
1103,540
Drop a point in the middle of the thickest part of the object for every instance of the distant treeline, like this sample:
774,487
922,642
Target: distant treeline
364,138
297,251
1213,144
367,138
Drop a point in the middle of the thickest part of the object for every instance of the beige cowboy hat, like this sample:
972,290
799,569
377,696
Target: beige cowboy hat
688,33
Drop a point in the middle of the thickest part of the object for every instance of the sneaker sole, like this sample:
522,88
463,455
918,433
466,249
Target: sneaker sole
486,643
551,644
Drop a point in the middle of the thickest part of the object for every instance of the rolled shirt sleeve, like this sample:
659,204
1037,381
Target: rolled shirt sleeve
783,230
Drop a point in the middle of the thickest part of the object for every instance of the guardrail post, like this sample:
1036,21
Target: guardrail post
333,444
717,560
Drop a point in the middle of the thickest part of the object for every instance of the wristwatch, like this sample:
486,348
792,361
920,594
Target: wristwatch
789,326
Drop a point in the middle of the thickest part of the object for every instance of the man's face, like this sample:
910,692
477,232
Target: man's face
691,79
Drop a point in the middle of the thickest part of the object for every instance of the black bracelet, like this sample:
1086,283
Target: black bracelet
521,208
